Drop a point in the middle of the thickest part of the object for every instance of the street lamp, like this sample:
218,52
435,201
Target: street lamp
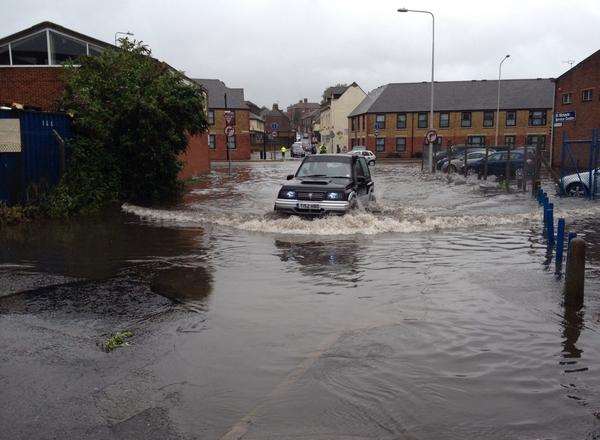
432,75
121,33
498,102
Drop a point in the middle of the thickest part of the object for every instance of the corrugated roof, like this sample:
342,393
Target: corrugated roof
216,94
458,95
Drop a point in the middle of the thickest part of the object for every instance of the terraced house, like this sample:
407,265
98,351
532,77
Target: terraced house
220,99
393,119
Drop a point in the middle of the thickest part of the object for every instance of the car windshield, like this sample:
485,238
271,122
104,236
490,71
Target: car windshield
313,168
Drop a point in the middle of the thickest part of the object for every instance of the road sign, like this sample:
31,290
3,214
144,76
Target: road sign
560,117
229,131
229,118
274,126
431,136
273,134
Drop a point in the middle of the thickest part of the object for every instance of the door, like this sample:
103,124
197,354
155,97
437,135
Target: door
363,179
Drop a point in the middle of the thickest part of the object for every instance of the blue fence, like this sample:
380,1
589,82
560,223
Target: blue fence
37,167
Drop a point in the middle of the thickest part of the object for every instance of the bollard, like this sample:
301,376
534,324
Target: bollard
540,197
550,225
560,244
571,236
575,274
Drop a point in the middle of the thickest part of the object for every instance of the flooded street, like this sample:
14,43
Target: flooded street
436,315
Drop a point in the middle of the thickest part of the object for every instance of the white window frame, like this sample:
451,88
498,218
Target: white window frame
50,60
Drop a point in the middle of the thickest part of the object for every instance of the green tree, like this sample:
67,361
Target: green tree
131,117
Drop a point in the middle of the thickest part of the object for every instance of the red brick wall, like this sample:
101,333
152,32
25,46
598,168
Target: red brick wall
33,86
195,159
585,75
243,150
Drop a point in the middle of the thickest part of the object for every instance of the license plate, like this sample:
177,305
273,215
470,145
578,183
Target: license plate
308,205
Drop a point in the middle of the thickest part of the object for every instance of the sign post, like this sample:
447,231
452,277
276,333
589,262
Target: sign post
229,129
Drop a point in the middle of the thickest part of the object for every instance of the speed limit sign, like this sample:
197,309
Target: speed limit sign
431,136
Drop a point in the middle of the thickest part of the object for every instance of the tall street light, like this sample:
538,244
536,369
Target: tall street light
432,74
498,102
121,33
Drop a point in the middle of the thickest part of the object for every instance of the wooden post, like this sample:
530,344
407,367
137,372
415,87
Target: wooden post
575,274
525,169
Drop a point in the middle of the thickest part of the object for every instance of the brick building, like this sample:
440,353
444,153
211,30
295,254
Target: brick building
31,75
393,119
578,95
278,129
296,112
239,144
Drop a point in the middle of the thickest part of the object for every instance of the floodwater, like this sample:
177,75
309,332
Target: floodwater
436,315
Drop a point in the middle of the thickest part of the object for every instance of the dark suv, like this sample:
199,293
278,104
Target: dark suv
326,183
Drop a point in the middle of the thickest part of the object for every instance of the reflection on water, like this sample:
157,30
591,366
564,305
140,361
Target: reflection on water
430,318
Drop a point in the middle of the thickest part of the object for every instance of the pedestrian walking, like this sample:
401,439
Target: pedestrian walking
283,151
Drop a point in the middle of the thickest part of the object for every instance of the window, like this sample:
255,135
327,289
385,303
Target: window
465,119
380,144
64,49
586,95
444,120
211,117
423,121
488,119
379,121
353,124
358,169
400,121
30,51
231,142
567,98
511,118
537,139
537,117
400,144
212,141
352,143
509,139
478,141
4,56
94,51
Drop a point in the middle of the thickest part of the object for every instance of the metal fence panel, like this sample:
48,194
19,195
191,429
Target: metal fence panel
38,164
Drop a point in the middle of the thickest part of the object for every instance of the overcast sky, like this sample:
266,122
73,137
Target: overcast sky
284,50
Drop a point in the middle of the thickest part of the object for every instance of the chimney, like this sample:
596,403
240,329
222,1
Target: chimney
275,106
305,100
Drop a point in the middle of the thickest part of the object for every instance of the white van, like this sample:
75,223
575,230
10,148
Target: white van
297,150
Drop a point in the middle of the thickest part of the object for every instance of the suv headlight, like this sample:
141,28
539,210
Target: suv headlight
334,196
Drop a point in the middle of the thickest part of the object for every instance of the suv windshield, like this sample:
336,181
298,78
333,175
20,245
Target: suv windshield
313,168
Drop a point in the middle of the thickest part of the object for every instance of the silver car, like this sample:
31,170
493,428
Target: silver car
367,154
578,184
458,164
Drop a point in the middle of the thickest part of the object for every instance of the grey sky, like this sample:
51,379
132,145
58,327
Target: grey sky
281,51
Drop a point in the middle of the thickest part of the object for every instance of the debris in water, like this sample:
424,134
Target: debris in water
117,340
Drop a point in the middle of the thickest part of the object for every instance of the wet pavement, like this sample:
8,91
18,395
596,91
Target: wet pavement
435,315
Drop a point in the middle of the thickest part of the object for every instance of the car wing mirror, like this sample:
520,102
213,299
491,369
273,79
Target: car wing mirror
289,176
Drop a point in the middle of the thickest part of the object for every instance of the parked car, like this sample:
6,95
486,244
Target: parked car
441,156
578,184
367,154
496,164
297,150
326,183
458,164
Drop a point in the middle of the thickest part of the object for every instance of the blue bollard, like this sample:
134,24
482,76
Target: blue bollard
550,224
560,243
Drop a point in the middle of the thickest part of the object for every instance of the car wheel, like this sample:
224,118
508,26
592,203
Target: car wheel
576,189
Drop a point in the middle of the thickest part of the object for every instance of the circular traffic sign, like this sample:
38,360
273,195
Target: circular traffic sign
229,131
431,136
273,134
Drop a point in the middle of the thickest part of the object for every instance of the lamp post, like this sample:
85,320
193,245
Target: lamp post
432,76
498,102
122,33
